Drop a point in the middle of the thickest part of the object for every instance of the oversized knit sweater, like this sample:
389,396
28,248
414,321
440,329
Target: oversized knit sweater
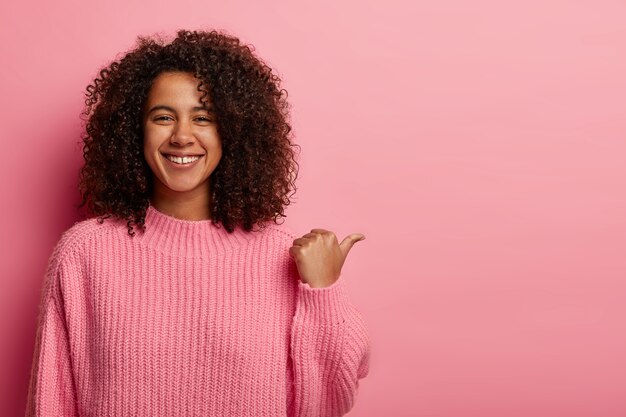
186,319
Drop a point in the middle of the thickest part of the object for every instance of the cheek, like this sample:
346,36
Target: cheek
150,141
149,158
150,151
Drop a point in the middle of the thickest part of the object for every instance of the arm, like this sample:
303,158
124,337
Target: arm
51,389
330,350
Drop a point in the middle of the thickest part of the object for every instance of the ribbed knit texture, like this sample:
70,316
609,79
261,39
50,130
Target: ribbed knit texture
185,319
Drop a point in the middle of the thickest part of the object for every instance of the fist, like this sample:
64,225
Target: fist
319,257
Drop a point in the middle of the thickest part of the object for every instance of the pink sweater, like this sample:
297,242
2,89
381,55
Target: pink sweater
189,320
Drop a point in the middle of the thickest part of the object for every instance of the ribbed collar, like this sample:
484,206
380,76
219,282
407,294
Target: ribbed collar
189,238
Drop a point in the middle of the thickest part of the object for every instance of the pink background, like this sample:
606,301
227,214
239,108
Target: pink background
479,145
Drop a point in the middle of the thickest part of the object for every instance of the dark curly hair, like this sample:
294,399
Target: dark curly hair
256,174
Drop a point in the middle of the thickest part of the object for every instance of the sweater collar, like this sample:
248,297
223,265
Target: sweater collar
188,238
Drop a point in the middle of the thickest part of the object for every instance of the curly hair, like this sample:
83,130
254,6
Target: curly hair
256,175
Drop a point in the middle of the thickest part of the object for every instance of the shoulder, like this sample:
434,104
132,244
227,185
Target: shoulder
67,257
281,231
277,236
276,242
75,239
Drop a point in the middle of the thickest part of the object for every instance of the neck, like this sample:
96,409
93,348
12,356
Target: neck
185,206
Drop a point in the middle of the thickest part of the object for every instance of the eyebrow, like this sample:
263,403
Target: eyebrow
168,108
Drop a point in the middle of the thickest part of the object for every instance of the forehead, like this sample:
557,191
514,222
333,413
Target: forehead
175,86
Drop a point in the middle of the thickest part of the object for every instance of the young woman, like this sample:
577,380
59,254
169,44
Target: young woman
183,295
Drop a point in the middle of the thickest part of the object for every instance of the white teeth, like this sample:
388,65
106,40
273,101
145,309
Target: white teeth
182,160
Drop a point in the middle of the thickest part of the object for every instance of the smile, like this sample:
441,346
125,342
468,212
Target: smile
183,160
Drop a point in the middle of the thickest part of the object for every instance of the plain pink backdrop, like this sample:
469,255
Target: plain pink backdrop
479,145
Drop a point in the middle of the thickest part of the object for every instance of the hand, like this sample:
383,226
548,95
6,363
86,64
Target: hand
319,257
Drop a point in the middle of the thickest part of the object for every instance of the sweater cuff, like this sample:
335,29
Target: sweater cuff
325,305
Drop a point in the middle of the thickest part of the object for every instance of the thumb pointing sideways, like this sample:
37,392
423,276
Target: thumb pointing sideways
349,241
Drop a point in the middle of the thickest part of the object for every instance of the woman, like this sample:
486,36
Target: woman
183,296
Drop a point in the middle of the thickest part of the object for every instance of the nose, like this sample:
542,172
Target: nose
183,134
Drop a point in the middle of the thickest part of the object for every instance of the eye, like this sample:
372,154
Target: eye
204,119
162,117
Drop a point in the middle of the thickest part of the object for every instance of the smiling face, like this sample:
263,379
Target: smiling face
181,144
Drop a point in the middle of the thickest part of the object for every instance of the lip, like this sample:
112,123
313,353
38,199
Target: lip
174,165
181,154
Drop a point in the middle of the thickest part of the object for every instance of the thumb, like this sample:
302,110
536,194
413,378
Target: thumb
349,241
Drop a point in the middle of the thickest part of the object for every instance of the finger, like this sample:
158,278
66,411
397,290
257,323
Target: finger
322,231
293,251
300,241
349,241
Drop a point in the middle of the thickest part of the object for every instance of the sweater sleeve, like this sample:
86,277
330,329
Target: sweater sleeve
51,391
330,350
